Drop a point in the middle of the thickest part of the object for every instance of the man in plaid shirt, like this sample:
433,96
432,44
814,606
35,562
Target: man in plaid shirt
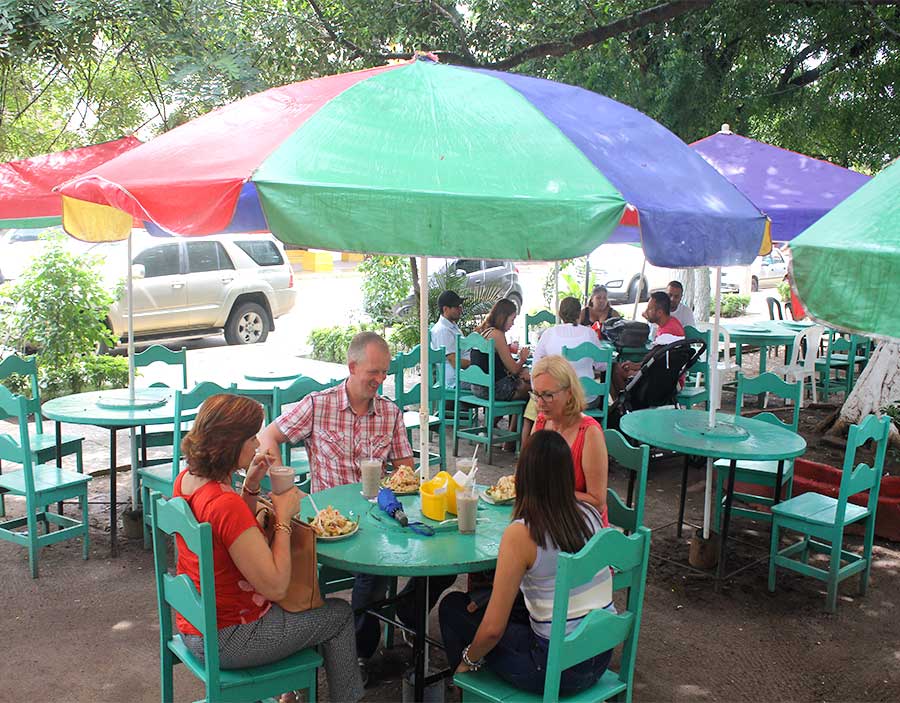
339,426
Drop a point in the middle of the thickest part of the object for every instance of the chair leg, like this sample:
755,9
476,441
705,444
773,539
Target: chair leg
145,511
867,555
773,552
489,424
33,546
313,681
812,382
85,535
166,684
834,567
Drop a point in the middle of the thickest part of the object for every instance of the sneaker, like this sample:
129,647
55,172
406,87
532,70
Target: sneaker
363,670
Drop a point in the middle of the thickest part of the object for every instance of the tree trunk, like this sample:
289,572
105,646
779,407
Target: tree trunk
696,291
414,269
878,385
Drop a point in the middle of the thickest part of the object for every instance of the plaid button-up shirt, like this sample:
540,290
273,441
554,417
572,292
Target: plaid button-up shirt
336,438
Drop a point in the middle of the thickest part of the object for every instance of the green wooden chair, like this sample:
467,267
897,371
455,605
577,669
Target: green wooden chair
297,671
600,630
821,519
407,398
696,390
836,372
161,478
158,354
628,515
591,385
760,473
539,318
486,434
40,485
42,444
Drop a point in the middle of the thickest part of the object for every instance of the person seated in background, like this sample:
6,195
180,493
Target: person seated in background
668,330
682,313
445,331
566,334
598,310
251,573
547,519
510,375
560,400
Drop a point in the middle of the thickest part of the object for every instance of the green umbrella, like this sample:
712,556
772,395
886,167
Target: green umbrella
846,266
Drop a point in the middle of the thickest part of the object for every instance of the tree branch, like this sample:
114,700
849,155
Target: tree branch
332,32
454,18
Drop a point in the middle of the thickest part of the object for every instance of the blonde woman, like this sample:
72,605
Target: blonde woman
560,401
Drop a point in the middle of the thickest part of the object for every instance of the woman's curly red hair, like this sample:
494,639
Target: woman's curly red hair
224,423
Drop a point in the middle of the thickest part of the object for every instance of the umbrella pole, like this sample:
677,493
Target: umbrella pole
715,398
135,487
425,384
640,287
556,290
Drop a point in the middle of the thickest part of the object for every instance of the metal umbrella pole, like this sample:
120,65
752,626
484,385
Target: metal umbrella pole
715,399
640,287
129,278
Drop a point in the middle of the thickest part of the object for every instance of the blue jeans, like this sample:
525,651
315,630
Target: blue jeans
520,657
368,588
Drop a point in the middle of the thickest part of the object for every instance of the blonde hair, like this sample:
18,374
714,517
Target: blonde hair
564,374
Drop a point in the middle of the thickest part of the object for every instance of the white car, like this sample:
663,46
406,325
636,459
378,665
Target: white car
620,267
238,284
765,272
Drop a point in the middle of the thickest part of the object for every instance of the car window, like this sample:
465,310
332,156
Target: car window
777,257
207,256
262,251
469,265
24,235
493,264
160,261
767,259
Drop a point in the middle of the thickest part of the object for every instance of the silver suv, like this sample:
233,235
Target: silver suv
192,286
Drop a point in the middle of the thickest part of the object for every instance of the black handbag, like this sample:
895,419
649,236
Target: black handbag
625,333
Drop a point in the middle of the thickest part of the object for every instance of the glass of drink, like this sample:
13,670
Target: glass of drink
371,477
281,478
466,510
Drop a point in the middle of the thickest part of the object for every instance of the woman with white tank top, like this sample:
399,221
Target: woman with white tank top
547,520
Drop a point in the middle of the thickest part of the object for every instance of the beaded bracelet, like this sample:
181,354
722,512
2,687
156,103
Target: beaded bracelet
474,666
249,491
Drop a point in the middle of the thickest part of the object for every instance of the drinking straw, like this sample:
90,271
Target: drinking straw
313,503
475,454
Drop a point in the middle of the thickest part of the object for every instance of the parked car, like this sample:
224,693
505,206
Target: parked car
19,247
765,272
238,284
478,272
621,268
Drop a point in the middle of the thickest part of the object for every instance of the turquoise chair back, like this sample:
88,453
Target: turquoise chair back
701,366
591,385
600,630
17,365
859,477
11,449
538,318
174,517
474,375
164,355
294,393
628,516
773,385
185,401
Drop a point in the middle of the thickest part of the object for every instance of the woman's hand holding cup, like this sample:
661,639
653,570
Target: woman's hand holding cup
286,504
259,465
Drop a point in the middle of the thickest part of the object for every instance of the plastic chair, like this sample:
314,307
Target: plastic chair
406,398
774,306
600,630
493,408
40,485
591,385
629,515
162,478
800,368
538,318
821,519
297,671
760,473
158,354
42,444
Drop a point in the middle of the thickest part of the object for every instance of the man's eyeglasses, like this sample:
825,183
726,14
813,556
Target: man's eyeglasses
546,396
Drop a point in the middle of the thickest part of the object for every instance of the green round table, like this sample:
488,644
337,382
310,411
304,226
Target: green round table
382,546
734,437
108,410
764,334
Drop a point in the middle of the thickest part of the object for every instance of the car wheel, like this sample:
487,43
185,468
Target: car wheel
248,324
517,300
754,284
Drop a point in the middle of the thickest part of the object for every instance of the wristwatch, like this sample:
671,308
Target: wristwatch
474,666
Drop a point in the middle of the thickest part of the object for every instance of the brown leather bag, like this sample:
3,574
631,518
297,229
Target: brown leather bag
303,591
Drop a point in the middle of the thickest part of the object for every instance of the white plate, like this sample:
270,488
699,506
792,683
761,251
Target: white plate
335,538
487,498
412,492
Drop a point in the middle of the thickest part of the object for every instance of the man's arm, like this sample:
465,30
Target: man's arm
270,439
463,363
297,424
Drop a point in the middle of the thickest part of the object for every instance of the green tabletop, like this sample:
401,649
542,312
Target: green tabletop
734,437
382,546
765,333
91,408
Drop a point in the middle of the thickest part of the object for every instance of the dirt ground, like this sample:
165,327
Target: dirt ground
88,631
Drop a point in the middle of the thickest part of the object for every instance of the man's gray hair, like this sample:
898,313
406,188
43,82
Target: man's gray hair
356,352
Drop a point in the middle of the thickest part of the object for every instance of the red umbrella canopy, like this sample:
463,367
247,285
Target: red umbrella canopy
26,186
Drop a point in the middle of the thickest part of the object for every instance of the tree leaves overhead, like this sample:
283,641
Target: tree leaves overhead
818,77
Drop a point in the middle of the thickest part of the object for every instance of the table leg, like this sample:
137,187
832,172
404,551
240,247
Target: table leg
726,521
59,462
421,616
763,353
113,518
779,477
684,478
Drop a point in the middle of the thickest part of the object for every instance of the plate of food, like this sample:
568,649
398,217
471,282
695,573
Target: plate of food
403,482
330,525
502,492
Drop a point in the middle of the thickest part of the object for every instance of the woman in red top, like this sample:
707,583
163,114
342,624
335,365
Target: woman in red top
249,574
560,400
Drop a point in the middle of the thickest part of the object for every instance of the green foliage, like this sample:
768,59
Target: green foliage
571,281
330,343
893,412
784,291
733,305
386,281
